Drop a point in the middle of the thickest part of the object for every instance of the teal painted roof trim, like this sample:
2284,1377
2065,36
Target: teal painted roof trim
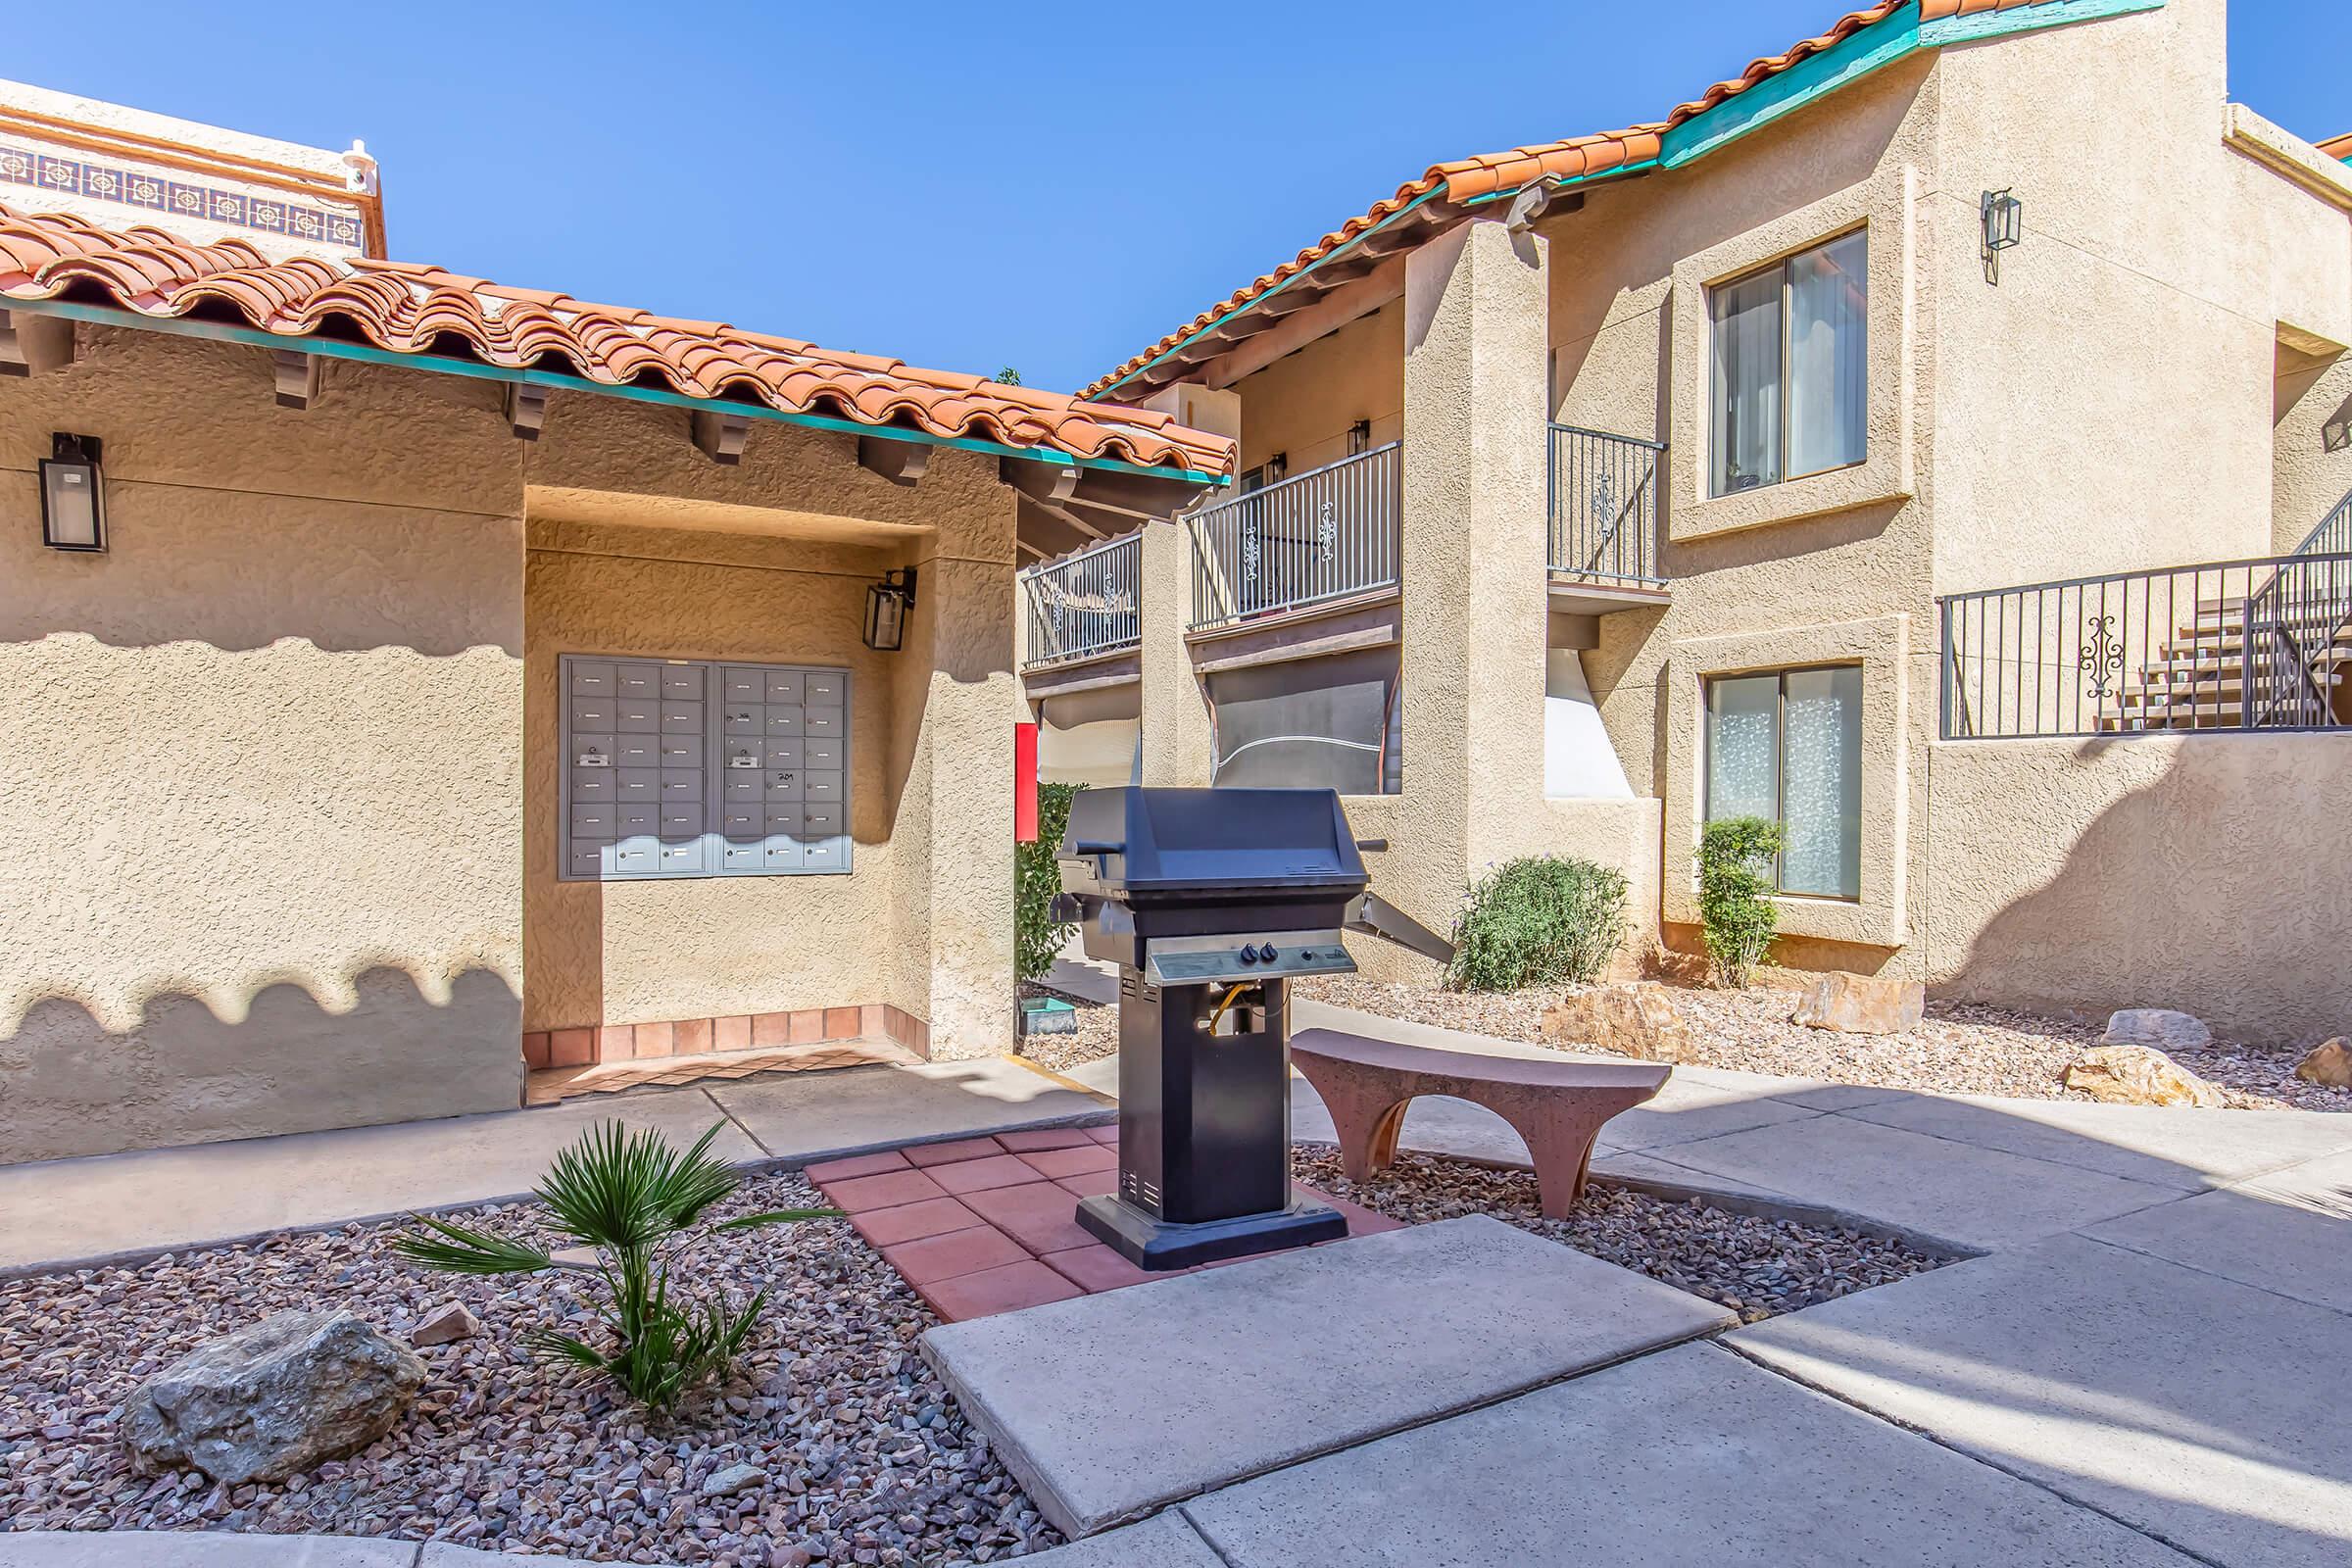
370,353
1871,50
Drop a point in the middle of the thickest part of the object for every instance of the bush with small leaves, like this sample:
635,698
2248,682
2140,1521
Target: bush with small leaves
1736,913
1035,880
1541,920
638,1204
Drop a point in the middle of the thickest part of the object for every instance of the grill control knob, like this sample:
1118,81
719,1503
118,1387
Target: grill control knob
1248,953
1266,952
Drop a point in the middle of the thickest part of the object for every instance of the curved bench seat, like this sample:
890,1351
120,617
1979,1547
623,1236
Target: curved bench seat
1557,1108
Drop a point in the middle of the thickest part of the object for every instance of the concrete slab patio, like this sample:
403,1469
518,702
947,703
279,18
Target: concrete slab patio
1113,1405
1689,1456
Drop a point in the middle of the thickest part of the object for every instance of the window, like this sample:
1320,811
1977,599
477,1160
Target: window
678,767
1788,747
1787,364
1273,470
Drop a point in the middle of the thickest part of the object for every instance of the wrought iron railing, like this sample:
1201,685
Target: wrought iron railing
1604,505
1330,533
1084,605
2261,643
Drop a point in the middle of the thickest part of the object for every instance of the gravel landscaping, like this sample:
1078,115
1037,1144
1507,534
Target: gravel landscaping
1959,1048
865,1458
1098,1034
1756,1268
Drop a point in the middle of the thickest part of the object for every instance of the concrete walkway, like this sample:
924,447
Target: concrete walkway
116,1207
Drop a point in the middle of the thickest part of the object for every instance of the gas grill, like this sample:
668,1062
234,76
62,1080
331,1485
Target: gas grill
1208,901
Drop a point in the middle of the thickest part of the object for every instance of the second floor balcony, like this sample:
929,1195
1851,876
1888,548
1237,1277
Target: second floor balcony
1320,539
1603,506
1084,606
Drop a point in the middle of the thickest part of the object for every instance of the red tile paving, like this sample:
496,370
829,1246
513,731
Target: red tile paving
1009,1238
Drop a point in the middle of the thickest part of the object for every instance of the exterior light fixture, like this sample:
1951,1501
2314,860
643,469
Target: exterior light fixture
886,604
2004,225
73,495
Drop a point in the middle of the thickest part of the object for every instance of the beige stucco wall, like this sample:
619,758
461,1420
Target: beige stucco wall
262,759
770,560
2200,872
1304,404
2313,436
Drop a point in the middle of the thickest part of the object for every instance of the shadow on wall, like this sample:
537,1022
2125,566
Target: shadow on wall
70,1086
2201,872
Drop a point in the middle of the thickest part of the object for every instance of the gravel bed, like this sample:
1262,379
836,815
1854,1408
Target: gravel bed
868,1457
1958,1047
1098,1034
1757,1267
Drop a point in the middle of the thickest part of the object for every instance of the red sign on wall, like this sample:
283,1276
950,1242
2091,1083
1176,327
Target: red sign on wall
1024,783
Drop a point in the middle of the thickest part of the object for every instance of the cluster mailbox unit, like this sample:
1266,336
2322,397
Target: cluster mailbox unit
1208,900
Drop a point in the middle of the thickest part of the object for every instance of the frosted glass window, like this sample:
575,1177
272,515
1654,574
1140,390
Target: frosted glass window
1788,747
1789,370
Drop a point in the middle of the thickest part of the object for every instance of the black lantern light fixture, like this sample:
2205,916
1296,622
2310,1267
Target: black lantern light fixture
73,495
2005,226
886,604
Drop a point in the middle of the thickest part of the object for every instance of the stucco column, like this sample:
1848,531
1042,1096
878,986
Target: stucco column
1177,745
954,815
1474,560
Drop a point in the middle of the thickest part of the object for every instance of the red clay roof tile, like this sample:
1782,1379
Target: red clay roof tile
2338,147
406,308
1578,157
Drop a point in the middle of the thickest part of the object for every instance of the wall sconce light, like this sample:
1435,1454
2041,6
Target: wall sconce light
1359,437
886,604
73,495
2005,226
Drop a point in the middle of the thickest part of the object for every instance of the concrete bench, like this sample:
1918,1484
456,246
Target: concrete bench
1556,1106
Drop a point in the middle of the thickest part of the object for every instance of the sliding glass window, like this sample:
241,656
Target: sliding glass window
1788,747
1789,354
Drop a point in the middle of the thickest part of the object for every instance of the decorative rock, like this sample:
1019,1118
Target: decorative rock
2157,1028
733,1479
1633,1021
2330,1065
272,1399
1861,1004
445,1325
2137,1075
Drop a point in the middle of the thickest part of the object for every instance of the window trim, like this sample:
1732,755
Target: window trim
1782,265
1780,762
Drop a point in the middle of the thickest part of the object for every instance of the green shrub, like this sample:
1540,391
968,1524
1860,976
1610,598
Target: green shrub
637,1201
1036,879
1734,894
1541,920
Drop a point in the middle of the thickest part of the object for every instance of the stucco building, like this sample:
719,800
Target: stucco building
1937,438
455,680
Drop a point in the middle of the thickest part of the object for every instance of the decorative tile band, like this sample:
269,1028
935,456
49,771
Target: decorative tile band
140,187
599,1044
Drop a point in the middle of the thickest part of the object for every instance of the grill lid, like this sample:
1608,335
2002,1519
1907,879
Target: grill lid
1169,843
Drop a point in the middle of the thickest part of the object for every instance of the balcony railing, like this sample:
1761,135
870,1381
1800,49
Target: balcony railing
1329,535
1084,606
2240,645
1604,506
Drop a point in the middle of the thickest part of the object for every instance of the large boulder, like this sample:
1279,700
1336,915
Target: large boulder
2135,1075
2329,1064
1861,1004
2157,1028
1633,1021
274,1400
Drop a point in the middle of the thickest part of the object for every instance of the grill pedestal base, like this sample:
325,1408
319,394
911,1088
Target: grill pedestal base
1158,1245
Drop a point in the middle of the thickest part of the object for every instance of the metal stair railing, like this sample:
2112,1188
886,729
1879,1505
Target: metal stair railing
2291,627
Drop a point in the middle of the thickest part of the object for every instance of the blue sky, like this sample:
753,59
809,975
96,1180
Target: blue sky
1050,185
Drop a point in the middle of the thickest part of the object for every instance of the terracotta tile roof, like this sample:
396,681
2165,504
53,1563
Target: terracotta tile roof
1581,157
2339,147
410,309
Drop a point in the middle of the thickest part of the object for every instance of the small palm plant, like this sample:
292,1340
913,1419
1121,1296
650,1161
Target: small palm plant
637,1201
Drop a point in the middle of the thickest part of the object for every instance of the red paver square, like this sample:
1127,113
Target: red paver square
997,1290
886,1191
962,1148
936,1216
965,1252
1037,1137
1094,1184
1097,1269
978,1175
1042,1216
1361,1221
1105,1135
1058,1162
839,1170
